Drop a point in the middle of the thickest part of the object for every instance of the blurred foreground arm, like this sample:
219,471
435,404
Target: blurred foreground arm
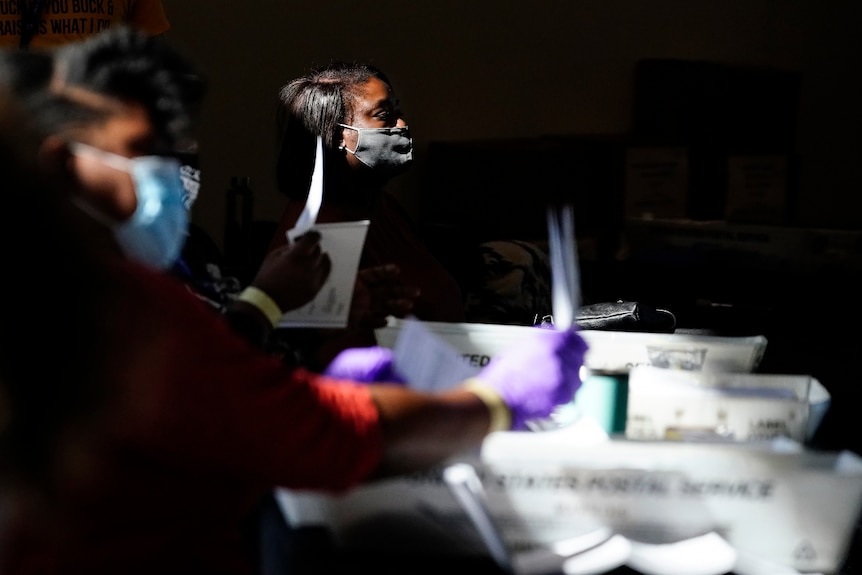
423,429
526,381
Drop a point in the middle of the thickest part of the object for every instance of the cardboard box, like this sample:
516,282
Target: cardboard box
676,404
744,246
656,182
776,502
757,189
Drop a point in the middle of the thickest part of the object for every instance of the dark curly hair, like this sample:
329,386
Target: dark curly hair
127,64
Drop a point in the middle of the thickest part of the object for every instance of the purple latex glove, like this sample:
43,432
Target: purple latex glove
365,364
537,374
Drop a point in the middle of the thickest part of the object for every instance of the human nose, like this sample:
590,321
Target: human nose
401,123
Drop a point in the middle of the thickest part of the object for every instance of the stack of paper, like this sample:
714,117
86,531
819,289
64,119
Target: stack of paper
343,242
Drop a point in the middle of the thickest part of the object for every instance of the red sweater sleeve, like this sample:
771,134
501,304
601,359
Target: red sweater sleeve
217,403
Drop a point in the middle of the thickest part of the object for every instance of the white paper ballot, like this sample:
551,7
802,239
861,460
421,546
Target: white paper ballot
309,213
565,275
343,242
428,362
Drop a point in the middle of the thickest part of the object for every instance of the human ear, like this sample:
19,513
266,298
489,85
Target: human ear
342,145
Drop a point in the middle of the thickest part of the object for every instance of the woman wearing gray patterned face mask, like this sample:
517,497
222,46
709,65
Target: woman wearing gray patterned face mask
353,108
366,141
388,150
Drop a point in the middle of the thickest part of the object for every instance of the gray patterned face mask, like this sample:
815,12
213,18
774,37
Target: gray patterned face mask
387,150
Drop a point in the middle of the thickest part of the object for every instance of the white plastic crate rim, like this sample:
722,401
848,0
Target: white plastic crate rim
777,502
609,351
671,403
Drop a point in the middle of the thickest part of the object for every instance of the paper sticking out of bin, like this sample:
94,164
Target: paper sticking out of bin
776,503
677,404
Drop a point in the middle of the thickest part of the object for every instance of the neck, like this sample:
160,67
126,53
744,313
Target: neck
352,188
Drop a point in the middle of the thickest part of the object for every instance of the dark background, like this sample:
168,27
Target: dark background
514,70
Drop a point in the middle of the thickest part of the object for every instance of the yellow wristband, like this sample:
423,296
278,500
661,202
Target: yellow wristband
501,415
260,300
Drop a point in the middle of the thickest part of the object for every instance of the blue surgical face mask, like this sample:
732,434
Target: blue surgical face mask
387,150
154,235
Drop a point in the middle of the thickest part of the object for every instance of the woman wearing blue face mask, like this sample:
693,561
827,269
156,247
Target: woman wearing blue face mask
367,141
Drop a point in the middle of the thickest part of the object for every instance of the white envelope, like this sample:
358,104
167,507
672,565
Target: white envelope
343,242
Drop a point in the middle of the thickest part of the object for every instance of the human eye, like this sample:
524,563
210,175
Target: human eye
383,115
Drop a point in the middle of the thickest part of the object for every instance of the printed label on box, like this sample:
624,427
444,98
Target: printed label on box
656,182
756,188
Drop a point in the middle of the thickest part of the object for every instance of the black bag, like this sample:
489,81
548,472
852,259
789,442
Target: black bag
625,316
